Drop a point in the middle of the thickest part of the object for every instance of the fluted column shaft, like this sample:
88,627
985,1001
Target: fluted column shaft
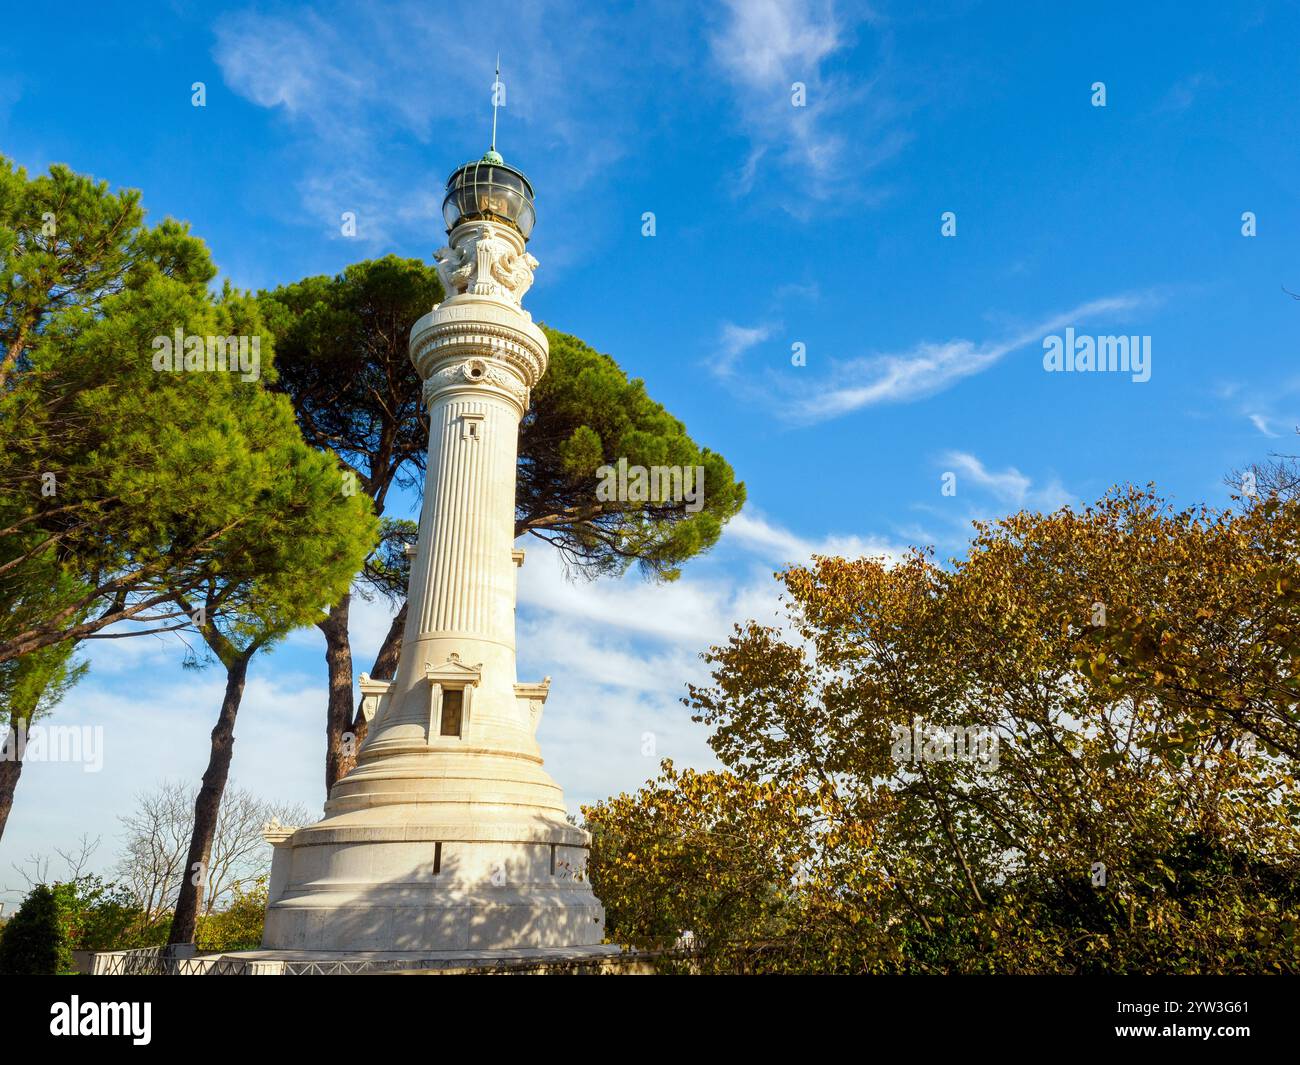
479,353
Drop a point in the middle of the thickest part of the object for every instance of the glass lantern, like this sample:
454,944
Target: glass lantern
488,189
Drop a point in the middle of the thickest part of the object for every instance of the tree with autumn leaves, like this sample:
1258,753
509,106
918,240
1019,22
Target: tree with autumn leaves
1136,664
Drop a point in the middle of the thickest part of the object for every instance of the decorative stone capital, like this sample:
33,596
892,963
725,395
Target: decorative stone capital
485,259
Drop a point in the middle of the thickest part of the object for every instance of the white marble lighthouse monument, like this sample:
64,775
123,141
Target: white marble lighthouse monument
449,835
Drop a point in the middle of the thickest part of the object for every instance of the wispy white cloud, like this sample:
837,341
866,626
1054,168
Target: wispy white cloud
766,41
1008,486
1270,409
982,492
1260,422
931,367
631,633
765,47
294,63
778,545
733,341
689,612
378,98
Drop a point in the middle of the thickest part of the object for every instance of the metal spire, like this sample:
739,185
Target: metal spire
495,97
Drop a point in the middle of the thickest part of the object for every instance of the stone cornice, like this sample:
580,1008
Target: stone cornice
479,328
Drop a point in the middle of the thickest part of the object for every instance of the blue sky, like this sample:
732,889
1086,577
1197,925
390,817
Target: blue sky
775,225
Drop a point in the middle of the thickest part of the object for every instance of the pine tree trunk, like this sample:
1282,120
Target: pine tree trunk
10,770
338,659
208,804
19,714
385,668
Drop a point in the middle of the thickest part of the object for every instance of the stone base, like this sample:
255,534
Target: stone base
403,918
394,879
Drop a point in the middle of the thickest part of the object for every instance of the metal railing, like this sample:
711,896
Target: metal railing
182,961
164,961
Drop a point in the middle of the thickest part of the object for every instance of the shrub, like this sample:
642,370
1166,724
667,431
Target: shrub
34,941
238,926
